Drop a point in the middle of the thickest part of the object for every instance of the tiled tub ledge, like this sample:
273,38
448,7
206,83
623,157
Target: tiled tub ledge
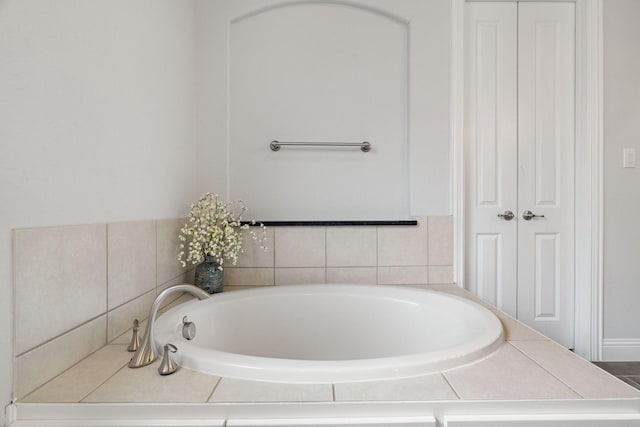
528,374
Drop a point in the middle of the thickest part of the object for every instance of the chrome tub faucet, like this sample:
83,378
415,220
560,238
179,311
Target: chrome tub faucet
147,352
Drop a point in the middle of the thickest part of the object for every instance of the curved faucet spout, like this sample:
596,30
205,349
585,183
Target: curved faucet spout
147,352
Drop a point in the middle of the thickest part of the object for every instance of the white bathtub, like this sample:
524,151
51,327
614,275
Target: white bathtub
330,333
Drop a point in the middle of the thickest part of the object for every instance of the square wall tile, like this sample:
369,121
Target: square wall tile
514,330
423,388
352,275
39,365
300,247
168,244
125,338
506,374
121,319
403,245
581,375
403,275
232,390
144,385
131,249
60,280
248,276
139,309
440,240
74,384
187,277
441,274
352,247
254,255
300,276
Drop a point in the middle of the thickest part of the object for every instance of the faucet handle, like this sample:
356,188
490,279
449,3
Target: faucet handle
188,328
168,366
135,337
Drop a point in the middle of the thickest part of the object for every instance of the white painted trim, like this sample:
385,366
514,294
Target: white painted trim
215,414
621,349
589,138
10,414
589,179
598,281
400,421
457,138
535,419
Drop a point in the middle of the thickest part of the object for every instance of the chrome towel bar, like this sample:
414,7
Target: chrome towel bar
364,146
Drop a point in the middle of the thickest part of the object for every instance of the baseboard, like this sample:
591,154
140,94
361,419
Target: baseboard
9,415
621,349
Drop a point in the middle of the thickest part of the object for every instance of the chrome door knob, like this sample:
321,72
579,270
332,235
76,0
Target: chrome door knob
507,215
528,215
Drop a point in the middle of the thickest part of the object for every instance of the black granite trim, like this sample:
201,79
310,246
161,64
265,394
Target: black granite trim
331,223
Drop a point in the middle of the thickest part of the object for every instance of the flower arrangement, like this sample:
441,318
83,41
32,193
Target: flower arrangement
215,229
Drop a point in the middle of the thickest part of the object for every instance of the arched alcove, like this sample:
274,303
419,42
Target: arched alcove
327,72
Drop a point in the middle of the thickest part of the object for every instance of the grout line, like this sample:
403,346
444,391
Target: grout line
67,370
546,370
180,278
333,392
274,257
326,273
86,322
14,317
377,255
103,382
428,248
450,385
215,387
137,297
156,269
106,281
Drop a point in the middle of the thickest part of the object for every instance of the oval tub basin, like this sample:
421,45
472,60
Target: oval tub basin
330,333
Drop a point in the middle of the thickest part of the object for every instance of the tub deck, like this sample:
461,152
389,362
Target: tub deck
528,378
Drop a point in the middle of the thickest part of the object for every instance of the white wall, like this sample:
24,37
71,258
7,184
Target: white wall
622,186
312,183
97,107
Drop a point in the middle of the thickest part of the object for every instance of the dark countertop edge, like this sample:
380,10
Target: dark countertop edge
331,223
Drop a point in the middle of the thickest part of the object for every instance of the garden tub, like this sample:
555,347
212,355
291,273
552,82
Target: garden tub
329,333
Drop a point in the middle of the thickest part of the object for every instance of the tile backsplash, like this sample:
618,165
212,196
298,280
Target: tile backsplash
401,255
78,288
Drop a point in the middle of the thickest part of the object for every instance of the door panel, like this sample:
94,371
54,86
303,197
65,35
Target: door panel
488,277
491,140
547,284
546,124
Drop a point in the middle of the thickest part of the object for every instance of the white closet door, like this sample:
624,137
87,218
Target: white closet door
519,153
491,140
546,98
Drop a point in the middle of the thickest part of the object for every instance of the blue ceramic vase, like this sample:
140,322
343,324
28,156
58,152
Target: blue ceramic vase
209,276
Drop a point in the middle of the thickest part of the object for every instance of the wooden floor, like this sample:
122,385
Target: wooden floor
628,372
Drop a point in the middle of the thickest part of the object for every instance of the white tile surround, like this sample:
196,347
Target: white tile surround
86,364
526,367
80,287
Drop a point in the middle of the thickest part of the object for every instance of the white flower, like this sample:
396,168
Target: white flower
212,230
